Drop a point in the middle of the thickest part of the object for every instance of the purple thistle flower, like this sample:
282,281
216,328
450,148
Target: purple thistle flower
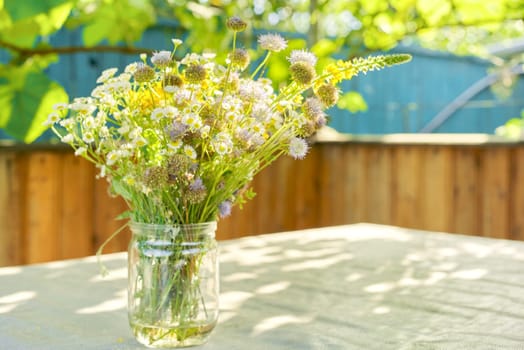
197,185
224,209
177,130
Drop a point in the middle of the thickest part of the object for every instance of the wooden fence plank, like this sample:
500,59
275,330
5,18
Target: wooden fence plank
77,207
306,203
495,192
516,230
44,205
437,188
106,210
467,191
333,176
355,188
407,165
379,185
11,209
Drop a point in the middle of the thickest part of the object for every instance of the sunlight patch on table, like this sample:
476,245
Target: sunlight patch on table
273,287
11,301
234,299
318,263
472,274
112,275
120,302
278,321
6,271
239,276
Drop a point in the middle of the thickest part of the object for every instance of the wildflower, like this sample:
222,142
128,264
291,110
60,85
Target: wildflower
192,120
143,73
312,108
224,209
190,152
195,73
175,145
106,75
236,24
155,177
69,138
298,148
302,73
239,58
177,130
52,118
302,56
327,94
272,42
88,137
197,191
60,106
112,157
173,80
161,59
80,151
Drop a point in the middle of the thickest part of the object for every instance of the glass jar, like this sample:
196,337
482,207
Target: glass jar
173,284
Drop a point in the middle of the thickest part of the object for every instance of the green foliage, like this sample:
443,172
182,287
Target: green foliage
26,98
513,129
353,102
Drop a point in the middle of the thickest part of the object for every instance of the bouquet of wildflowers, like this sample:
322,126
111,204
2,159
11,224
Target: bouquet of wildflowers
180,140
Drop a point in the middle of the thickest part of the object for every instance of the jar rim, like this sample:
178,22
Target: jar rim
209,226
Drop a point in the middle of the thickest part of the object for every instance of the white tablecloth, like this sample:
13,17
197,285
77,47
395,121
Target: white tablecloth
358,286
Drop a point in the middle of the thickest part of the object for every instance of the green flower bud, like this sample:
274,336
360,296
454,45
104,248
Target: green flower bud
236,24
327,94
302,73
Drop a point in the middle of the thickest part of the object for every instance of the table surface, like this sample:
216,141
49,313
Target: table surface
359,286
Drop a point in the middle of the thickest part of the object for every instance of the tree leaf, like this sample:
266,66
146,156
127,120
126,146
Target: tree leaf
23,9
24,109
353,102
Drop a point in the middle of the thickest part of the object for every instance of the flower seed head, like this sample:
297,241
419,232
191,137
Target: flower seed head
302,56
161,59
239,58
302,73
312,108
144,73
236,24
327,94
195,73
173,80
155,176
272,42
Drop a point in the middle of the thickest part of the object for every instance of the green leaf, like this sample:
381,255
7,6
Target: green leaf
324,47
21,26
118,20
23,9
353,102
26,106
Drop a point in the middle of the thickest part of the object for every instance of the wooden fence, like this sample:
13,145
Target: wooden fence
52,207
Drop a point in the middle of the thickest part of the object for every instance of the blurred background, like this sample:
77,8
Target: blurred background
433,144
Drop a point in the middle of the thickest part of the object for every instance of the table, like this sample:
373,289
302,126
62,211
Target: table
359,286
